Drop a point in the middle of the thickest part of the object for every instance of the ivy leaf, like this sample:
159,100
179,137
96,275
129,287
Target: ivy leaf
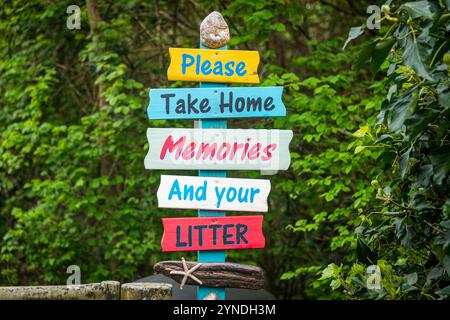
440,159
403,162
399,112
365,54
392,90
412,57
444,292
364,254
435,273
446,208
417,122
411,278
354,33
446,263
380,52
424,175
444,94
444,237
418,9
404,232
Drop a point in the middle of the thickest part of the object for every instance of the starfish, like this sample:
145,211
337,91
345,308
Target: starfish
187,273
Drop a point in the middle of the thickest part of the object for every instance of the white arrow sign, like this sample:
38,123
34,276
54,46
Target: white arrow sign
218,149
211,193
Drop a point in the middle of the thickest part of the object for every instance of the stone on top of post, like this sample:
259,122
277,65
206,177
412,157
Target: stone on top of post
214,32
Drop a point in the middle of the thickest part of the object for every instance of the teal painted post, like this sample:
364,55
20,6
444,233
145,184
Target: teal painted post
213,255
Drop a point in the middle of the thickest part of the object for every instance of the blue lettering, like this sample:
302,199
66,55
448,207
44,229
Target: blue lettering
185,58
188,192
219,196
253,192
197,66
231,194
243,198
218,68
200,194
229,68
206,67
240,69
175,190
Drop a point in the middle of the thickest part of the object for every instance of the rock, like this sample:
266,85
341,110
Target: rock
106,290
146,291
214,32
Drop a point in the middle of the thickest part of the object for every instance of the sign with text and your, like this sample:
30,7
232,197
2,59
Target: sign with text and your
212,233
211,193
218,149
213,103
206,65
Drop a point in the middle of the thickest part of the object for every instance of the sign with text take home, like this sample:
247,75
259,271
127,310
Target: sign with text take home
212,233
217,149
205,65
212,193
213,103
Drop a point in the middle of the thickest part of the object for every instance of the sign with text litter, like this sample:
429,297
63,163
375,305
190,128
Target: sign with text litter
212,233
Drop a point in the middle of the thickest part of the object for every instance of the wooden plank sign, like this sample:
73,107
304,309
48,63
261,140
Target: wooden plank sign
212,233
187,192
213,103
236,66
215,274
217,149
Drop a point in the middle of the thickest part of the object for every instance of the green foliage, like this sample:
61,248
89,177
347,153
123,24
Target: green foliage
328,185
406,230
73,188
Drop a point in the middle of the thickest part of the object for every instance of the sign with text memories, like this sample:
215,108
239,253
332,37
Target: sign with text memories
218,149
213,103
211,193
212,233
207,65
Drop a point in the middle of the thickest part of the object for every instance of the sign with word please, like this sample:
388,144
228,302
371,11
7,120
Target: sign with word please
218,149
211,193
212,233
213,65
212,103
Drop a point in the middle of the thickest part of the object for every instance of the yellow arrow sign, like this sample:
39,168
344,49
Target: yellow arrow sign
236,66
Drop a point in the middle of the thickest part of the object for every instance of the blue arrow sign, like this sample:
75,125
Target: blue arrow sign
216,102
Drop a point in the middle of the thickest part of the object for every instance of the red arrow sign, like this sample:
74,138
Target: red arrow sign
212,233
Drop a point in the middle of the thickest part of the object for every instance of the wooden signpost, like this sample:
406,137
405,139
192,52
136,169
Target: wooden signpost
218,149
212,148
213,65
212,233
208,193
214,103
216,275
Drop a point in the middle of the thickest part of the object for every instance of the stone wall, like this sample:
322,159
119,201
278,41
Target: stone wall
106,290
